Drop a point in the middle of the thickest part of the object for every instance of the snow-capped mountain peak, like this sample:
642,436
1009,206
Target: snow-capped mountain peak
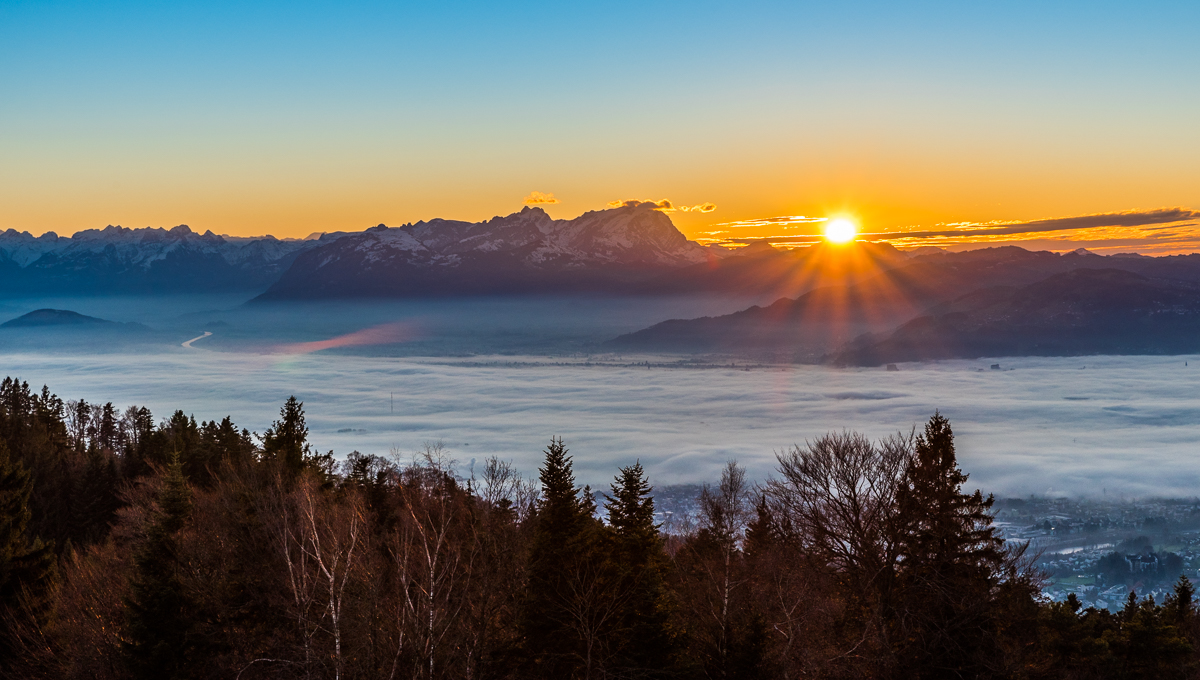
526,250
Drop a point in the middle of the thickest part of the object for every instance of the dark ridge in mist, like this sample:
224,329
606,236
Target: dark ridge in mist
990,302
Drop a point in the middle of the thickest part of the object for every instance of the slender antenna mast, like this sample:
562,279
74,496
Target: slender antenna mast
392,402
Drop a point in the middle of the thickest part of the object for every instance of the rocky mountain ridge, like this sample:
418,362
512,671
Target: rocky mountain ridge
525,252
121,260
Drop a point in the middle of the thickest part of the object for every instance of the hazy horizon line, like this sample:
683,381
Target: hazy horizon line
1103,231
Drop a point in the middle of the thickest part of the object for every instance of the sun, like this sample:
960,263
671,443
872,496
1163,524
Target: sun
840,230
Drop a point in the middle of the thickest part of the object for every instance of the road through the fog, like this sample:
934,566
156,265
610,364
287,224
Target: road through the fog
198,337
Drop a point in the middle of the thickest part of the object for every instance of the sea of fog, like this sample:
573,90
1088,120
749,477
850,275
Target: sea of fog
1083,426
496,377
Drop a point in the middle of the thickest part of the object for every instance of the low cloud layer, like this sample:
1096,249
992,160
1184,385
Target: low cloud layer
1093,425
539,198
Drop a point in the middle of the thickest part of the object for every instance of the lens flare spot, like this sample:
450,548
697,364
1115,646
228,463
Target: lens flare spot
840,231
384,334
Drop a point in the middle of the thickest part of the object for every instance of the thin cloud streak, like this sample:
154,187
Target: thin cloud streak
664,205
772,221
1163,230
1122,219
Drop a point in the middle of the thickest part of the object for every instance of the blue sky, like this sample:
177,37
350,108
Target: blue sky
296,117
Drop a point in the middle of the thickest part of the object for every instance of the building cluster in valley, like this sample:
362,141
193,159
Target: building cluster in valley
1102,550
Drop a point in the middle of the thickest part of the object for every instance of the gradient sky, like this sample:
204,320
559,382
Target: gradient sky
290,118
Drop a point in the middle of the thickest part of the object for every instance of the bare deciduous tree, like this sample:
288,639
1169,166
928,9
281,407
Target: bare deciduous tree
318,541
837,495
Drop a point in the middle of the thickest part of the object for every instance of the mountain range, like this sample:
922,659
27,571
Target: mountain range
987,302
863,303
1083,311
623,249
122,260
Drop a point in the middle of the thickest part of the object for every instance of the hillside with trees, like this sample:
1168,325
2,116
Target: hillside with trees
131,548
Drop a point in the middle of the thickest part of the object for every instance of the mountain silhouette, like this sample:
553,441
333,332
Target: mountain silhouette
65,318
1085,311
854,323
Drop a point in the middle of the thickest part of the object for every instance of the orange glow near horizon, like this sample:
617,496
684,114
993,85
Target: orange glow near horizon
728,224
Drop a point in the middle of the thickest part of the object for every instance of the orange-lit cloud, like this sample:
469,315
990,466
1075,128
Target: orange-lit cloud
539,198
1161,231
664,205
1131,218
384,334
784,222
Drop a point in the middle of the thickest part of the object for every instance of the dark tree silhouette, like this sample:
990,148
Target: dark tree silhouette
286,441
647,643
159,612
949,559
558,618
27,566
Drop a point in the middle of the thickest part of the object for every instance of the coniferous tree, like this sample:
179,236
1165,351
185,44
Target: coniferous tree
647,645
223,443
27,567
183,439
32,425
562,549
159,612
1150,644
761,532
286,441
1182,602
96,500
106,430
140,446
949,559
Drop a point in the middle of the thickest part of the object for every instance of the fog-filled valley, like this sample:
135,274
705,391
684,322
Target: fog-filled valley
1065,373
499,376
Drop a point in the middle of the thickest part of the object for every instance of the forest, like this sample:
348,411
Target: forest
131,548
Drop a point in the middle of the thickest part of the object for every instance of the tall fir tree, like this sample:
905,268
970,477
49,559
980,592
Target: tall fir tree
159,612
647,645
762,534
949,559
27,566
95,498
286,441
563,542
1181,603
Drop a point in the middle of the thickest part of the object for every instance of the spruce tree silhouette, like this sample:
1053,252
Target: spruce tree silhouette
562,545
159,613
286,441
647,646
949,559
1181,602
27,567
